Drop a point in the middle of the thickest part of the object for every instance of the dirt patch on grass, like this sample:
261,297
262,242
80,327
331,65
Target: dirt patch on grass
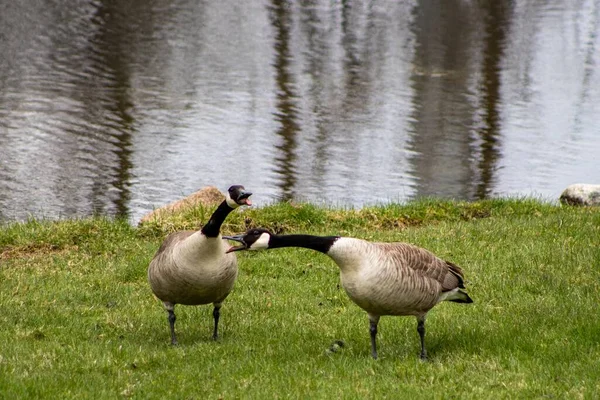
207,196
33,250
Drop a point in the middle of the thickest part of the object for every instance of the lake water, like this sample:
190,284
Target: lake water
115,108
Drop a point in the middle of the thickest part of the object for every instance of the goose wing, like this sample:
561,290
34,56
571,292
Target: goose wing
421,262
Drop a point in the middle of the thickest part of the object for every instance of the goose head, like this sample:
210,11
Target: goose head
253,239
238,196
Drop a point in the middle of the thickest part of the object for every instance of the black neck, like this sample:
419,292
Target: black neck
213,226
318,243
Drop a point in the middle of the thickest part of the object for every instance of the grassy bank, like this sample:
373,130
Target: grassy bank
78,319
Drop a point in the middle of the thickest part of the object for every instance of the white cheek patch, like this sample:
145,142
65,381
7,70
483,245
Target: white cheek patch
230,201
261,243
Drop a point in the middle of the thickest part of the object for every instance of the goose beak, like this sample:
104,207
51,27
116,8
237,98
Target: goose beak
236,238
244,198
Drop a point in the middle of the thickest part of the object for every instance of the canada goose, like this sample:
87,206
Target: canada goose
381,278
192,267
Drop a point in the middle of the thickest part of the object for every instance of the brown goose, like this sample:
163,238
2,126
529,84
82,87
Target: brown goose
381,278
192,268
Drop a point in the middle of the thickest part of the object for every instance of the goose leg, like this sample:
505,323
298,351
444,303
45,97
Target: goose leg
373,321
172,318
421,330
216,315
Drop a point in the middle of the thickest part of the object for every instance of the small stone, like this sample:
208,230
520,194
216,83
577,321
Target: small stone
336,346
581,194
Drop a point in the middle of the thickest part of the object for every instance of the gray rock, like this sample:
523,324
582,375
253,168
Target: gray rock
581,194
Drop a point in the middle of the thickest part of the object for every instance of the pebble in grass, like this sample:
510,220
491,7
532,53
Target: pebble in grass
336,346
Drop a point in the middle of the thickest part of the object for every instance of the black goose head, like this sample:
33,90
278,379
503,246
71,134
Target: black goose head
238,196
253,239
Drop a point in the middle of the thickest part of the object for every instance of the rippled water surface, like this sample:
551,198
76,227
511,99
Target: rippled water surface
114,108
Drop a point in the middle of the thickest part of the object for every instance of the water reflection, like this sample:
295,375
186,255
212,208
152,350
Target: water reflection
286,112
112,56
117,107
497,25
456,127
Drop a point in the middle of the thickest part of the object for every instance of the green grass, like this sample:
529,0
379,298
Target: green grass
78,319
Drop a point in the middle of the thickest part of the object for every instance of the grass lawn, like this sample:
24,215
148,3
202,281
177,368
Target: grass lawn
78,319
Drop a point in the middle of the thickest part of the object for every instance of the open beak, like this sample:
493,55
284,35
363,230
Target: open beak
236,238
245,198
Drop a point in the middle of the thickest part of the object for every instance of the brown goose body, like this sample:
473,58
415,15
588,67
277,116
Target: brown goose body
394,278
192,269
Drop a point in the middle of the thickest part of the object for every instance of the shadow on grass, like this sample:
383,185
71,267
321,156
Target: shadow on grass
477,341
